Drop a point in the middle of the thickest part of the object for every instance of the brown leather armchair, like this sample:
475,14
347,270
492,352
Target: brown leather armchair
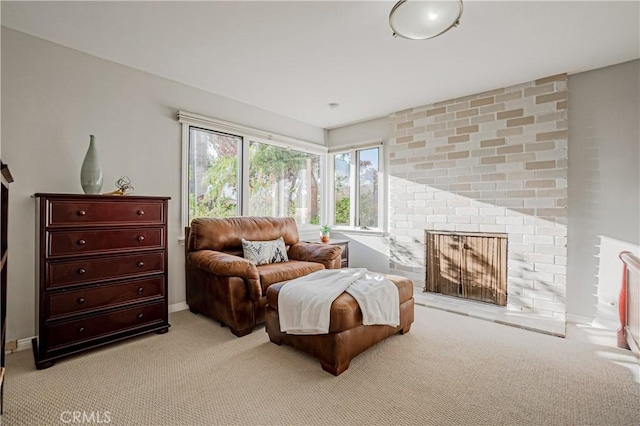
225,286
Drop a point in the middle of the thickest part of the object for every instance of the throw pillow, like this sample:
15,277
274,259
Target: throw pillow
264,252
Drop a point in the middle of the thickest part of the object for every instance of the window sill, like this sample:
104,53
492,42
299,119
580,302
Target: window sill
353,231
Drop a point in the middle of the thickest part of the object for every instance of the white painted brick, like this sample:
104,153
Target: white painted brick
552,250
520,229
539,258
492,194
549,306
491,228
554,269
538,239
538,295
516,238
559,241
437,218
519,283
438,204
558,231
467,227
518,302
509,220
492,211
510,167
467,211
522,248
447,211
417,203
460,202
539,202
556,154
510,203
483,186
560,260
560,279
538,276
555,288
457,171
423,195
509,186
488,220
520,264
459,219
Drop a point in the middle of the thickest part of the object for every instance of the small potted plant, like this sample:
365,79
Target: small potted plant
325,233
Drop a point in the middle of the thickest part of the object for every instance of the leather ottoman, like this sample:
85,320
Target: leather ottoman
347,335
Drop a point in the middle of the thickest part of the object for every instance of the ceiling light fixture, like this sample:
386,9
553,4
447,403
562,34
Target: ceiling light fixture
422,19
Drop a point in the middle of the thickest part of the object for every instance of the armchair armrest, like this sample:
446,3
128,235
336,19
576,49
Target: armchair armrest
228,265
328,255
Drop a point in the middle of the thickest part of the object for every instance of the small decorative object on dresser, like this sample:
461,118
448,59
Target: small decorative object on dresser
124,187
102,273
91,172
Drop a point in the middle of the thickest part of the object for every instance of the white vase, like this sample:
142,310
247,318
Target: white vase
91,172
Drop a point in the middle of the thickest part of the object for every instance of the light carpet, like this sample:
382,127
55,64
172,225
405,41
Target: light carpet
449,370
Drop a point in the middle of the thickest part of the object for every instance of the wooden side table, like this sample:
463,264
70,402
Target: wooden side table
341,243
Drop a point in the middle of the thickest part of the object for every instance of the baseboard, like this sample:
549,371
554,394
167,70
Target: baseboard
578,319
180,306
21,346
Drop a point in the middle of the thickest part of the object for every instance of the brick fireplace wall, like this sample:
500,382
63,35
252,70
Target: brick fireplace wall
491,162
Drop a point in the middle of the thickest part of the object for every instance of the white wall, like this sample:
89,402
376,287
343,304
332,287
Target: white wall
364,131
604,187
53,98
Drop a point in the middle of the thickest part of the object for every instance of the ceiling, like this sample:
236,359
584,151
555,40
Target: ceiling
294,58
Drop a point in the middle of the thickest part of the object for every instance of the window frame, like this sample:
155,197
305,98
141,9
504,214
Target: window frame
248,135
354,183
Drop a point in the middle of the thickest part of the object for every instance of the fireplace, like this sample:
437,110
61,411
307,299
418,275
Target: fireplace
493,162
470,265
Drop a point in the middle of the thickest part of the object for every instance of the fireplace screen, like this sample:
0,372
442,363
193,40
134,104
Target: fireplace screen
468,265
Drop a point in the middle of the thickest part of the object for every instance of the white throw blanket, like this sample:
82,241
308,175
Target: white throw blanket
304,304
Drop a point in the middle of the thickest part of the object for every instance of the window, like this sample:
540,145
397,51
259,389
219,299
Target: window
213,174
357,194
284,182
230,170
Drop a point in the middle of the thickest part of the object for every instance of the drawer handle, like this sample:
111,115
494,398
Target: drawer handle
140,238
80,330
81,213
81,271
140,264
140,212
81,242
140,315
140,291
80,300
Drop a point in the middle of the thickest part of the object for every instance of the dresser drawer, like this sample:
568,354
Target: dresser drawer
107,212
87,299
97,326
62,243
85,270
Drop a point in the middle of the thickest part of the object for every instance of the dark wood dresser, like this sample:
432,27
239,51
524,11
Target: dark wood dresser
102,271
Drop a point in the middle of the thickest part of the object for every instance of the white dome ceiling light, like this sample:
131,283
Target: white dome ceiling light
423,19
